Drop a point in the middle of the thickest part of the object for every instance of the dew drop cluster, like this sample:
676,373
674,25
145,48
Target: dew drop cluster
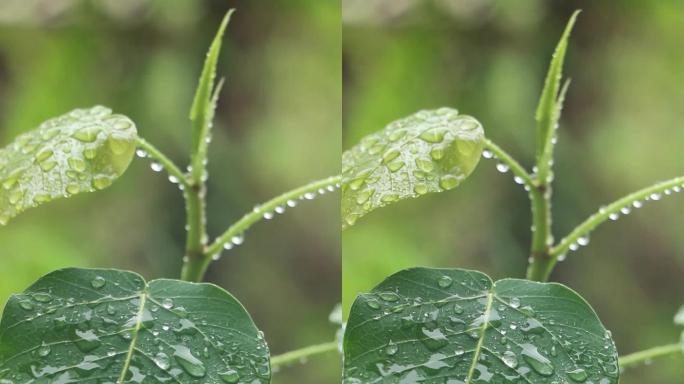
82,151
429,151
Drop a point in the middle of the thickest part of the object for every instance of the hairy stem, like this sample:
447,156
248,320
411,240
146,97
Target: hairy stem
303,353
516,168
614,208
257,214
642,356
168,165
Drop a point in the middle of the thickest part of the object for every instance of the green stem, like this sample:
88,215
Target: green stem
196,258
604,214
649,354
257,214
303,353
169,165
541,260
516,168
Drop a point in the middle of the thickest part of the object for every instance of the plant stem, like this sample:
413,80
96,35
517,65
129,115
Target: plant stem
541,260
169,165
516,168
196,259
649,354
614,208
257,214
303,353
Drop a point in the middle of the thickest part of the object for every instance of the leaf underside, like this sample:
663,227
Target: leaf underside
456,326
110,326
81,151
429,151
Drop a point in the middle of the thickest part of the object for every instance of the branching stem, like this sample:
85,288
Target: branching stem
303,353
168,165
640,357
257,214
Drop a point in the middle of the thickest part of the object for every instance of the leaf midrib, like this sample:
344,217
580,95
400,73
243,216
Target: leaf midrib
480,342
134,337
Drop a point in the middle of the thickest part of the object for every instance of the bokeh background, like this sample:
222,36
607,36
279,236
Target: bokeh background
278,127
621,130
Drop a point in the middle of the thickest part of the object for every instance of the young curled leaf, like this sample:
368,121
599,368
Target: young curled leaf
110,326
429,151
81,151
427,325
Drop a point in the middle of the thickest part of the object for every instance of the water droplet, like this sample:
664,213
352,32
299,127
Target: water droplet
268,215
87,134
420,189
228,245
373,304
230,376
656,196
447,182
573,247
280,209
614,216
44,155
98,282
173,179
44,350
437,153
536,360
192,365
510,359
389,296
391,349
101,182
579,375
390,155
26,305
47,166
445,281
76,164
502,167
157,167
425,165
518,180
141,153
238,239
87,340
162,360
72,189
583,240
309,196
433,135
291,203
167,303
514,302
487,154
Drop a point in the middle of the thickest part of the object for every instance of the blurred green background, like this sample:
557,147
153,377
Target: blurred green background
278,127
620,131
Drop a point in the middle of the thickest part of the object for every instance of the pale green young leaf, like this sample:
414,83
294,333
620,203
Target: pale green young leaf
429,151
203,104
426,325
81,151
550,103
110,326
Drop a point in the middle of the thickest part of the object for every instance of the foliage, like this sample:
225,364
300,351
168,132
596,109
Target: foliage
418,336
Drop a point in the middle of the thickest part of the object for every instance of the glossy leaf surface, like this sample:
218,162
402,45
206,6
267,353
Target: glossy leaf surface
456,326
110,326
82,151
429,151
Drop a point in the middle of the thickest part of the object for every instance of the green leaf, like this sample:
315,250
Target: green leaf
82,151
551,103
456,326
107,326
429,151
203,104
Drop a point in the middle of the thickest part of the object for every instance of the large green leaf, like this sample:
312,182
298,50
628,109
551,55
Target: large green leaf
109,326
429,151
457,326
81,151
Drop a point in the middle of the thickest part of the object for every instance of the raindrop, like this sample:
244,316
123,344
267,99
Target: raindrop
230,376
268,215
614,216
445,282
280,209
141,153
487,154
291,203
309,196
26,305
514,302
162,360
156,167
373,304
192,365
44,350
579,375
391,349
518,180
98,282
228,245
173,179
167,303
238,239
625,210
573,247
656,196
583,240
502,167
510,359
